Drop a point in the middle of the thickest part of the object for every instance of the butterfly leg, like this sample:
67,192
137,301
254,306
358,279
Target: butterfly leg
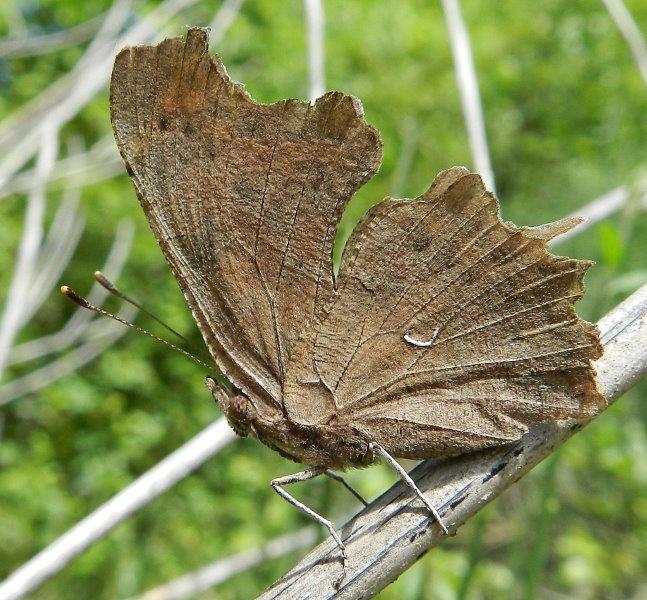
346,485
405,477
278,484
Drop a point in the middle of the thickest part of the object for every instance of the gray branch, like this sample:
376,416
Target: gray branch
222,21
469,91
606,205
75,171
395,530
314,15
62,100
196,582
14,315
81,320
60,367
154,482
630,31
49,42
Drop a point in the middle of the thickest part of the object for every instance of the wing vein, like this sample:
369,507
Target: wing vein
292,227
429,260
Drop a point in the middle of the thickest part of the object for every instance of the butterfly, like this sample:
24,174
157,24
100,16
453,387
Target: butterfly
446,331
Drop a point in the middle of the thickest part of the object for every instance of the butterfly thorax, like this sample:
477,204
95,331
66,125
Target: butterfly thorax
329,446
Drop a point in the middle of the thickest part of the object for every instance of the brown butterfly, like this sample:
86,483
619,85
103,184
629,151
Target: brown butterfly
447,330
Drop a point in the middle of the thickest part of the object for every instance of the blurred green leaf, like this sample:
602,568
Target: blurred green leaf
611,244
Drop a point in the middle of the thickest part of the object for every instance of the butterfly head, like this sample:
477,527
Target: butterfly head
234,406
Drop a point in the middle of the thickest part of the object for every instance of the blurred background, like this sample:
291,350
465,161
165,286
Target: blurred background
87,406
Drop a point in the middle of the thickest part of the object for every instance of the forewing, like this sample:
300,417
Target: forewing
451,330
243,198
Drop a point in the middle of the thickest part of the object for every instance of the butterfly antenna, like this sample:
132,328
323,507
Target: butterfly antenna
69,293
115,291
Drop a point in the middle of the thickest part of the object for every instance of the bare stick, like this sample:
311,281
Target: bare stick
601,208
630,32
13,315
198,581
393,532
72,92
194,583
18,130
316,54
112,24
223,20
153,483
66,364
101,161
55,252
16,22
81,320
49,42
114,264
61,101
469,91
54,258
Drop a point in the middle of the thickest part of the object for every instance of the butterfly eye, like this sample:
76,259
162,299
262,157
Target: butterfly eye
421,343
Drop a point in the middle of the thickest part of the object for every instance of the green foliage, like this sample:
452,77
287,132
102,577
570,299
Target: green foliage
566,114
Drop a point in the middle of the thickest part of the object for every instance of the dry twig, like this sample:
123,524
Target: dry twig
599,209
109,332
223,20
316,53
66,97
469,91
154,482
74,171
629,30
207,577
49,42
81,319
14,314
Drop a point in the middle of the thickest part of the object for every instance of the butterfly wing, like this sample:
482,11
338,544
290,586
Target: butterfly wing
451,330
243,198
